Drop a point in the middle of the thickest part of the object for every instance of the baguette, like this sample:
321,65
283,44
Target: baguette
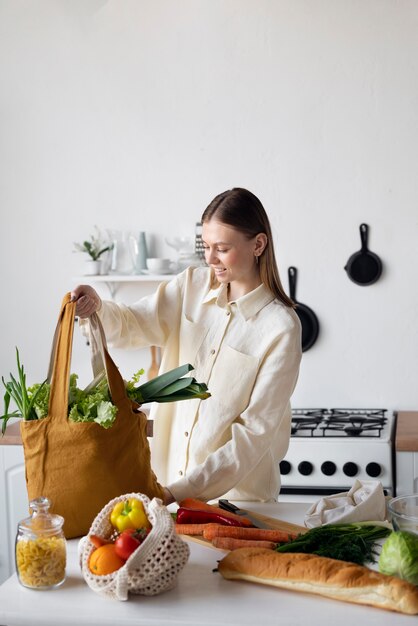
320,575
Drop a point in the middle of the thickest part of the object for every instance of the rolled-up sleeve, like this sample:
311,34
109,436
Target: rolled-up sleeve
149,321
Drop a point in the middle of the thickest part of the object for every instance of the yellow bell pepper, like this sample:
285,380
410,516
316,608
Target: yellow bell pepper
129,514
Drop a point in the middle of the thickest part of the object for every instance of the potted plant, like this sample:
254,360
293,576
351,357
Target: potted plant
94,247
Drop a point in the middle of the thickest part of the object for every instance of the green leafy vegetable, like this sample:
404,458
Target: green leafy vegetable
345,542
92,406
94,403
399,556
42,398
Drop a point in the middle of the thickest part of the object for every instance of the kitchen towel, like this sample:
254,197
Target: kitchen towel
365,501
80,466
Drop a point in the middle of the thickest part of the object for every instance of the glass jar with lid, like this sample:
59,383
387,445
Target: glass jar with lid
40,549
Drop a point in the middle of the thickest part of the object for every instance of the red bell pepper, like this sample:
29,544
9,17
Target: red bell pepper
194,516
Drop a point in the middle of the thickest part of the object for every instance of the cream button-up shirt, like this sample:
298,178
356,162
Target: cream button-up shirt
248,353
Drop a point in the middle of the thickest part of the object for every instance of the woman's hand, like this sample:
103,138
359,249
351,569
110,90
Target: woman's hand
168,497
87,300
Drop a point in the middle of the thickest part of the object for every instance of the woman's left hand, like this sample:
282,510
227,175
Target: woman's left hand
168,497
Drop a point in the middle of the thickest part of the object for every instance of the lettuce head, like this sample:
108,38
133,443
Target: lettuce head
399,556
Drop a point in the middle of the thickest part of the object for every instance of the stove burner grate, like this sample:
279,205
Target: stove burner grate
306,420
338,422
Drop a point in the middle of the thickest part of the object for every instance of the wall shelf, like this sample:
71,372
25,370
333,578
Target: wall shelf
112,280
124,278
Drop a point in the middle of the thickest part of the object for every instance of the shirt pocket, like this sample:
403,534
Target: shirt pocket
192,335
232,380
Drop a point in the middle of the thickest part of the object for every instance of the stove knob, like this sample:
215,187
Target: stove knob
328,468
373,469
285,467
350,468
305,468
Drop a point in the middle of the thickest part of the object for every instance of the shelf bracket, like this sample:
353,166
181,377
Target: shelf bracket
113,287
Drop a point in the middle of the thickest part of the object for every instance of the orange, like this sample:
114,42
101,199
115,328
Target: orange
104,560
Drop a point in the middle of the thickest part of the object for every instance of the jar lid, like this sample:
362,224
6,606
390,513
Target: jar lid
41,522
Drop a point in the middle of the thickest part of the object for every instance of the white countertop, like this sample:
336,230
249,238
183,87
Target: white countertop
201,598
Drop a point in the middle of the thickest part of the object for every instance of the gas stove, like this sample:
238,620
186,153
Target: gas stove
330,448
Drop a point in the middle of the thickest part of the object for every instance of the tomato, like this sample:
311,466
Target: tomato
128,541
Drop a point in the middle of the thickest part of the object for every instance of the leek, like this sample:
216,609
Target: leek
172,386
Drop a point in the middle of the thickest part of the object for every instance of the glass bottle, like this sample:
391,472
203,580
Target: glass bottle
40,548
140,253
121,261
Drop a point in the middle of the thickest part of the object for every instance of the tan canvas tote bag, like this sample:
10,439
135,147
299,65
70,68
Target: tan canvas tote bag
81,466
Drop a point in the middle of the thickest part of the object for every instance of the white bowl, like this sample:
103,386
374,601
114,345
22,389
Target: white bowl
157,266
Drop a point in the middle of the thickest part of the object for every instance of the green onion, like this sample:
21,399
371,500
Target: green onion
17,391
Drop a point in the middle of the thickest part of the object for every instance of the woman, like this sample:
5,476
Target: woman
233,322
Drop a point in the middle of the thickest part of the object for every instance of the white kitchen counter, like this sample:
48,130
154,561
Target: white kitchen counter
201,598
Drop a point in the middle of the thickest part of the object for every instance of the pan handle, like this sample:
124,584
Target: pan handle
364,235
292,273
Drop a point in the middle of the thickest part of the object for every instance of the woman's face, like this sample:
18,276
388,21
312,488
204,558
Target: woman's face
230,254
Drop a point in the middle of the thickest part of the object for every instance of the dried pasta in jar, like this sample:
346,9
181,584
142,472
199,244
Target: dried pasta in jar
41,551
41,562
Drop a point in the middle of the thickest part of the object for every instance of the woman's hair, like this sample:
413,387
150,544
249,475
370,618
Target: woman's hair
242,210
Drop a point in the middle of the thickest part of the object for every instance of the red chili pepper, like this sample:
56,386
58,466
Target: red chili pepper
193,516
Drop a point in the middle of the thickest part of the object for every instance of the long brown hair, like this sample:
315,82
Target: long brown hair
242,210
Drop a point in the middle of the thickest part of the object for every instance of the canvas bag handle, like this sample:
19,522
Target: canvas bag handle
60,361
98,345
101,360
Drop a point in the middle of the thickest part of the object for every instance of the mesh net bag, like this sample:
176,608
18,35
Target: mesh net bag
152,568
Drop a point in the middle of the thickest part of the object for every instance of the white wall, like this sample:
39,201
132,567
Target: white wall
134,114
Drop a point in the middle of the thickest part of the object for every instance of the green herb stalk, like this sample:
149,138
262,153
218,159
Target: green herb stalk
345,542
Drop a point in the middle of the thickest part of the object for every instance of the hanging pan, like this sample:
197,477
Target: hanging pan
364,267
308,319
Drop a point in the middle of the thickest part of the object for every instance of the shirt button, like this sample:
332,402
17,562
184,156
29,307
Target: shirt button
228,312
180,473
186,434
213,351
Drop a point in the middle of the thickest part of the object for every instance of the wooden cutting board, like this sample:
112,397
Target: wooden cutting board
271,522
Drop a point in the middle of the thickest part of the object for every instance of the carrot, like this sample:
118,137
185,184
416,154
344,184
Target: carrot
199,505
258,534
229,543
192,529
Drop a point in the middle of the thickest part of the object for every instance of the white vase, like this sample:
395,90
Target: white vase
122,258
92,268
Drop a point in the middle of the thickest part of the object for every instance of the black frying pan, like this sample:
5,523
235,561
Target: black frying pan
308,319
364,267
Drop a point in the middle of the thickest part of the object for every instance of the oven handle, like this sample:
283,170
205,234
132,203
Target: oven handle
320,491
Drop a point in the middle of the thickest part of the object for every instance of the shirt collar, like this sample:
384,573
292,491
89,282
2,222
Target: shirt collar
248,305
218,295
